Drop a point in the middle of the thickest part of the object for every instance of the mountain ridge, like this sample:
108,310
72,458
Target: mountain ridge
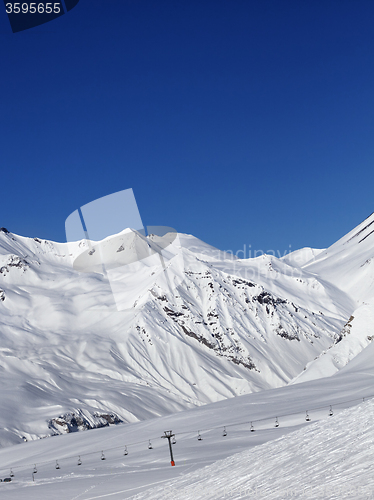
229,327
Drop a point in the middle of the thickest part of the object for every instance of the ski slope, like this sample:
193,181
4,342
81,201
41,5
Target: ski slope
328,451
330,459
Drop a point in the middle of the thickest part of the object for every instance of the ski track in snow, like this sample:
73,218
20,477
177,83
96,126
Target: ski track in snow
332,459
328,459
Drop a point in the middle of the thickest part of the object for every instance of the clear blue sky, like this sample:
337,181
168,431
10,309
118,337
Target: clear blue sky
239,121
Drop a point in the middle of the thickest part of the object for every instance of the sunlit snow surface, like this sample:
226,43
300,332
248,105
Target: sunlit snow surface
65,348
231,327
330,460
329,456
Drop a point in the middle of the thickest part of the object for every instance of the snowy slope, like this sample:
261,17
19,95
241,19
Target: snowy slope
298,258
230,327
330,460
348,265
69,360
328,451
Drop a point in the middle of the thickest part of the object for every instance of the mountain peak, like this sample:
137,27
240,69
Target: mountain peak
225,327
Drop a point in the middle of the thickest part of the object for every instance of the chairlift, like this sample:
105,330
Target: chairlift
252,428
174,441
102,456
125,452
224,433
276,422
331,413
199,438
307,417
150,447
11,473
57,466
35,469
79,460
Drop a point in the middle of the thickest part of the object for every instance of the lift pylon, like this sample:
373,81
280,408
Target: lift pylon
168,436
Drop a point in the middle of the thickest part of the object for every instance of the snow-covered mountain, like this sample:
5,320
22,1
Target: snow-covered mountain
349,265
70,360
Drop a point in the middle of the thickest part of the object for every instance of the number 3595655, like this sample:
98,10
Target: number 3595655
33,8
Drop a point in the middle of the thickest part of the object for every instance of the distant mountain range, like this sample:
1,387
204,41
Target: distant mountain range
216,327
